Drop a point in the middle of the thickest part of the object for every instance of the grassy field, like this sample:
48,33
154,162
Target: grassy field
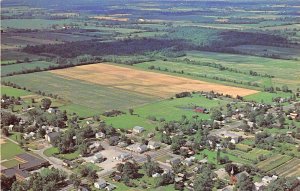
266,97
198,72
286,72
170,109
32,23
9,91
94,96
8,69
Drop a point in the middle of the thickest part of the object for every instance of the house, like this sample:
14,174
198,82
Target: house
201,110
123,157
173,161
100,183
235,138
110,187
97,158
100,135
153,145
138,129
52,136
137,147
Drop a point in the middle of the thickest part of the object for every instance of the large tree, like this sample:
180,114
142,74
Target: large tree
245,183
46,103
205,182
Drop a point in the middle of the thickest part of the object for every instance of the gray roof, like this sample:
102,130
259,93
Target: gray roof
139,128
53,135
100,181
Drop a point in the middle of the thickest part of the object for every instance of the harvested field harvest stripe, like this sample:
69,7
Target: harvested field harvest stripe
144,82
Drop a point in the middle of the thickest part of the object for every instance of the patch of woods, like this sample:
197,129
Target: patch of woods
96,48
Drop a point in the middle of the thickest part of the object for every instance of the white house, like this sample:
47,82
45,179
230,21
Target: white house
153,145
100,183
138,129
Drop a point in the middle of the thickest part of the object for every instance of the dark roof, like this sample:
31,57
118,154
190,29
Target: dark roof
10,172
53,135
30,161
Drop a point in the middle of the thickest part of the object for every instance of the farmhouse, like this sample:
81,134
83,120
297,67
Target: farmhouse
138,129
110,187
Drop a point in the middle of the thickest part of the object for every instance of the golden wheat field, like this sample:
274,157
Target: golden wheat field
144,82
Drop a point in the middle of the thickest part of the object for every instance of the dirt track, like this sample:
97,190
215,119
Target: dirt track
150,83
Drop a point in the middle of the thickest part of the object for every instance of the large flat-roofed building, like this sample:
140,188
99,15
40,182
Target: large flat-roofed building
28,162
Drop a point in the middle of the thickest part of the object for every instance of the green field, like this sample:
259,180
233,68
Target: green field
286,72
251,155
32,23
8,69
204,72
266,97
96,97
9,150
170,109
9,91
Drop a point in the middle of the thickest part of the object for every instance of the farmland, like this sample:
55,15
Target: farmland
17,68
291,168
88,95
149,83
214,85
273,162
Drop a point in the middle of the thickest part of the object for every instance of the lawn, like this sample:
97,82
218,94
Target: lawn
9,91
54,151
51,151
16,136
9,150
